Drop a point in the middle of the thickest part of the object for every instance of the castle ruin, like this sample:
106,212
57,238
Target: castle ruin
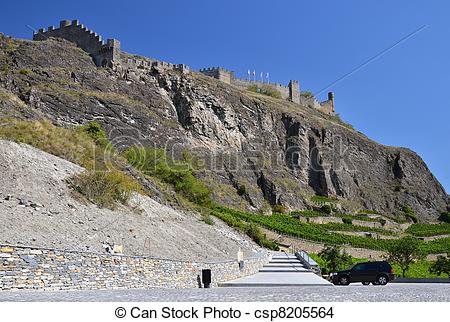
110,55
291,92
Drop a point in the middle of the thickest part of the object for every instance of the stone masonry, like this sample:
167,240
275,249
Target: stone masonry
51,269
110,55
291,92
102,54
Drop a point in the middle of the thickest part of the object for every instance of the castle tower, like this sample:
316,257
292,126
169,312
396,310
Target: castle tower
71,30
221,74
331,100
294,91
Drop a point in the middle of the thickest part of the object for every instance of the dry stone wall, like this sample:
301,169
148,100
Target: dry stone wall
51,269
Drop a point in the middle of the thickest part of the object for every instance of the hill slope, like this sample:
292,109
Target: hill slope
37,208
272,151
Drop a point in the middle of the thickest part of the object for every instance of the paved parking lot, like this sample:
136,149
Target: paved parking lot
391,292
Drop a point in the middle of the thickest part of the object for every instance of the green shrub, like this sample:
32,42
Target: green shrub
155,163
382,221
242,190
206,218
347,221
96,132
279,209
258,237
265,90
327,209
334,258
441,266
409,213
24,71
105,188
445,217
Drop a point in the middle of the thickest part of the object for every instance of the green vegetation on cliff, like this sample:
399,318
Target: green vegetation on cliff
285,224
426,230
265,90
180,174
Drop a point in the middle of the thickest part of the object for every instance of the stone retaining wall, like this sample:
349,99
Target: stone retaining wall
51,269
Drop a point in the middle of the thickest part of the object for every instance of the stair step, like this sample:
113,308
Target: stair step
285,262
284,257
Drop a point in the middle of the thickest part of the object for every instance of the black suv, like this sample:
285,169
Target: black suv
377,273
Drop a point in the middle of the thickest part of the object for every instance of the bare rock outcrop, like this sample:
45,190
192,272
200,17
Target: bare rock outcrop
281,152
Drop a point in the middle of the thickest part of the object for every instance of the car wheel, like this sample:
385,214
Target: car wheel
344,280
382,279
365,283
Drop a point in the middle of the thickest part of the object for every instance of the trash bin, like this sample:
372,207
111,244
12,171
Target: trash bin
206,278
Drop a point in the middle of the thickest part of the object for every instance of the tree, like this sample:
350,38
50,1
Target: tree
441,266
445,217
334,258
404,252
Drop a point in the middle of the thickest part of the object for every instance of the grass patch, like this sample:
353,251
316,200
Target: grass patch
322,200
179,174
265,90
74,146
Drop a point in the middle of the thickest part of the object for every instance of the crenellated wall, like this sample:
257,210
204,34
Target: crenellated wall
103,54
52,269
221,74
131,67
290,92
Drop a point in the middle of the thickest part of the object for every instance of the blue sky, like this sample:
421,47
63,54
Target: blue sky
400,99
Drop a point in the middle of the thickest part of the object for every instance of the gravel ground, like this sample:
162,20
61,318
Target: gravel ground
38,209
353,293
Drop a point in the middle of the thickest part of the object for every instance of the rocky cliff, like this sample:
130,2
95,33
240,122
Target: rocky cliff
253,151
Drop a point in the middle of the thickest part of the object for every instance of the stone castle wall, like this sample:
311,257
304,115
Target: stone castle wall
131,67
290,92
51,269
103,54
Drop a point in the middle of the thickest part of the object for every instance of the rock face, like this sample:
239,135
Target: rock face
280,152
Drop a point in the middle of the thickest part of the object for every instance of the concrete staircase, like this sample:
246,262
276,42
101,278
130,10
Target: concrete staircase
284,263
283,270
